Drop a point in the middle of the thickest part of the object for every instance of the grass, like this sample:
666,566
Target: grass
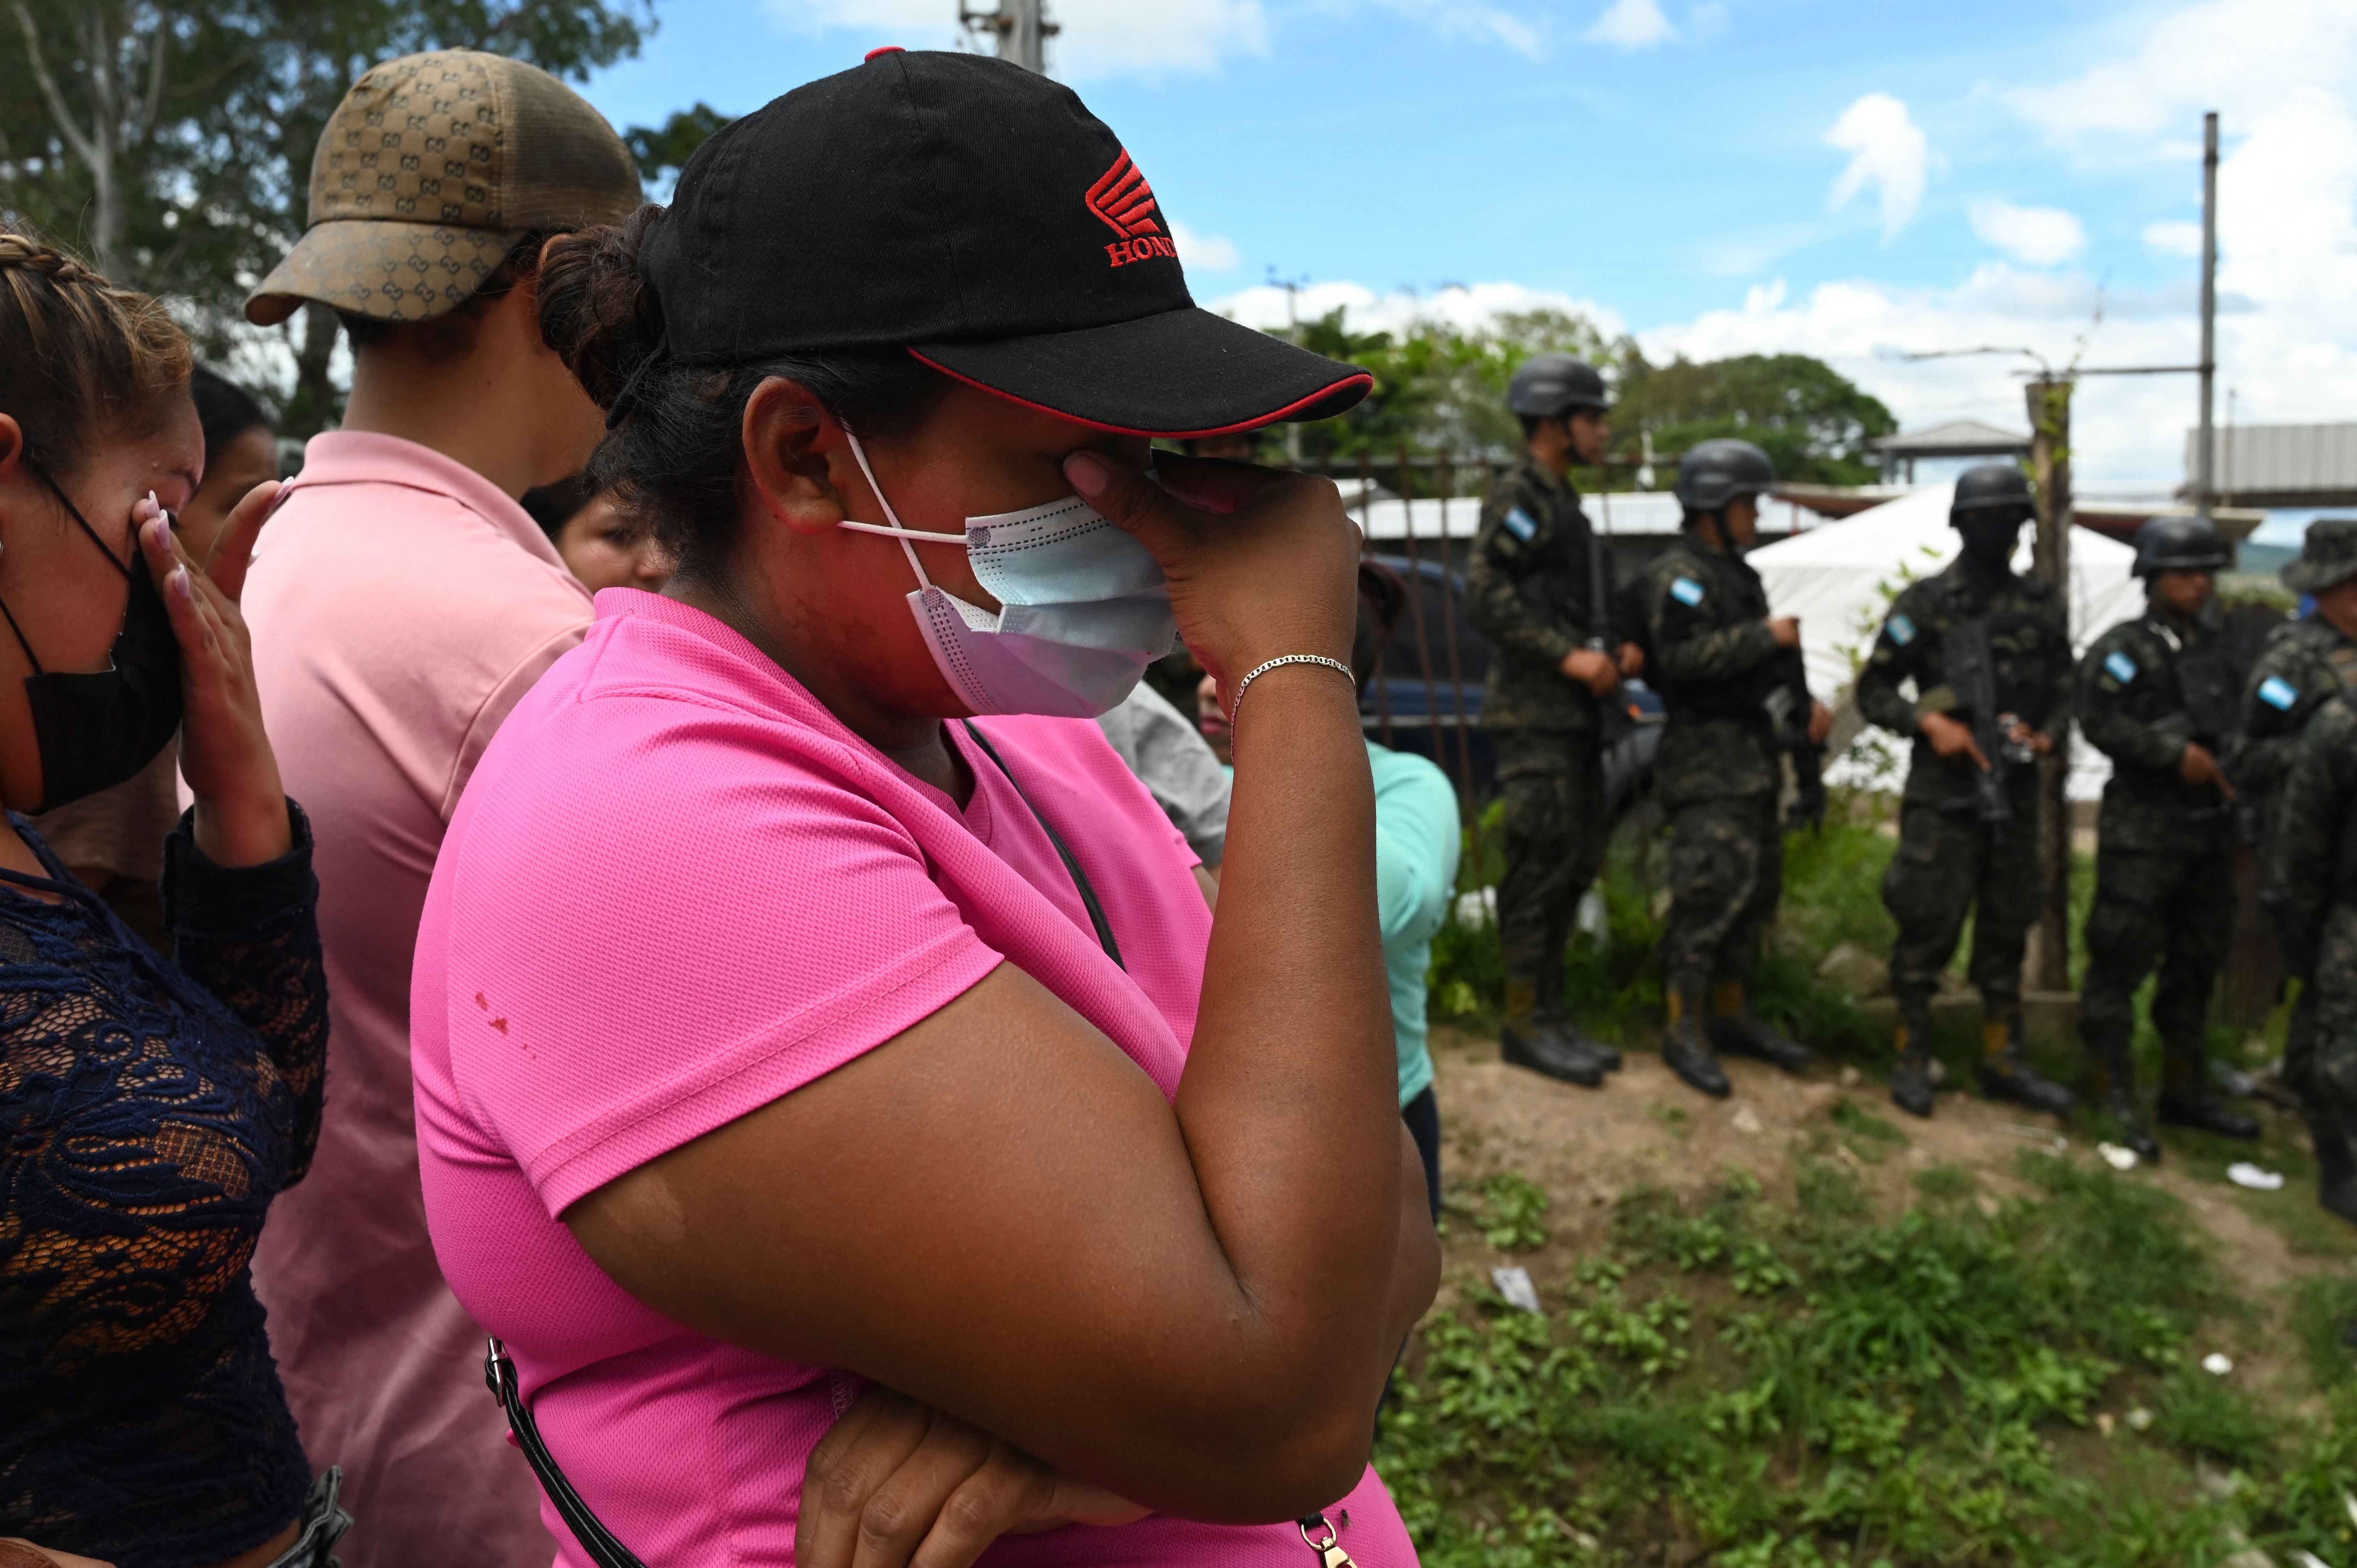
1776,1384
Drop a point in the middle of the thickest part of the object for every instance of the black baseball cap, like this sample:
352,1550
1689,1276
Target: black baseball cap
979,216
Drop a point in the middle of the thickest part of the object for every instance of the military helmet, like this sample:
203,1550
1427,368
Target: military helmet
1714,473
1547,386
1986,487
2327,556
2179,544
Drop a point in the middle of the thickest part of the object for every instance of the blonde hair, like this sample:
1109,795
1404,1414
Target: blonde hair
80,360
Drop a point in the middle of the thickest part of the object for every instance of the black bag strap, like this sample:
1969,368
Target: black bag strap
1079,878
596,1539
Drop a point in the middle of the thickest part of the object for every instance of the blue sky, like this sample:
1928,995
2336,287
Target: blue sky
1850,179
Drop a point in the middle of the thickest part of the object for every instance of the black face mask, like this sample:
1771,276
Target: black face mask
1989,541
95,731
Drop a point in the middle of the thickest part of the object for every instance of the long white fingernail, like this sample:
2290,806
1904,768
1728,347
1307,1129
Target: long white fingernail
180,584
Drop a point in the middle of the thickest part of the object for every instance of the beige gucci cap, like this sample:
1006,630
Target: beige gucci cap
429,171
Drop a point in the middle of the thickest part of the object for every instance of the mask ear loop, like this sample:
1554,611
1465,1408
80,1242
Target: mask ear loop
74,512
896,530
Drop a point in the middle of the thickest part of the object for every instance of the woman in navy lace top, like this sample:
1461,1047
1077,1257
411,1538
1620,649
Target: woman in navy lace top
149,1111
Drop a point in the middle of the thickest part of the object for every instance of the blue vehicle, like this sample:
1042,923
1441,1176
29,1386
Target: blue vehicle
1414,698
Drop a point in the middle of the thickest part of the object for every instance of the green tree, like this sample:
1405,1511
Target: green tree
171,140
663,150
1811,421
1438,387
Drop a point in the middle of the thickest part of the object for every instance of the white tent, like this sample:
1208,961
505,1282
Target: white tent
1840,579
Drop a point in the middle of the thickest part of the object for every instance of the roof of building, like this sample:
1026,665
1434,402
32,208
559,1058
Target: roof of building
1953,438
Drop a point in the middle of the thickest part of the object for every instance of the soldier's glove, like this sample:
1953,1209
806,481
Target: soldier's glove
2295,933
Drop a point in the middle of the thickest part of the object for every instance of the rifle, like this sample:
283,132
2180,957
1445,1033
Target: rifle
1971,675
1789,707
2213,717
1600,638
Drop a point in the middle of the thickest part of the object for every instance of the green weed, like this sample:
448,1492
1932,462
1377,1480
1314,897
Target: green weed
2324,1317
1947,1183
1835,1388
1511,1211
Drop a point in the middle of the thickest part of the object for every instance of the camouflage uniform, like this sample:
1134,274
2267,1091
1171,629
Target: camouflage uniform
2305,664
1528,589
2164,868
1711,655
2312,885
1950,862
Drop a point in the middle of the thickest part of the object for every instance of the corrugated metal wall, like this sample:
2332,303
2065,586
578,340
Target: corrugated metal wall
2282,461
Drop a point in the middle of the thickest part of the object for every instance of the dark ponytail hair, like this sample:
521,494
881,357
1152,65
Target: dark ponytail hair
676,431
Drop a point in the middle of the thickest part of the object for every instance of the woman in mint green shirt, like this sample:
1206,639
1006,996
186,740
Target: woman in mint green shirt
1416,846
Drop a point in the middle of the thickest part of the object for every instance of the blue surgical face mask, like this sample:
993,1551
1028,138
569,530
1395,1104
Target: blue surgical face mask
1085,607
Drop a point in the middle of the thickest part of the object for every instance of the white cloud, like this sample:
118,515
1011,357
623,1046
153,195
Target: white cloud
1204,253
1467,308
1632,25
2040,236
2127,430
2285,74
1099,38
1470,19
1889,153
2238,56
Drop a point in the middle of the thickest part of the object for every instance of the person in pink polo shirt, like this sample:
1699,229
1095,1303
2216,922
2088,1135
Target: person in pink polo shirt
402,602
833,1084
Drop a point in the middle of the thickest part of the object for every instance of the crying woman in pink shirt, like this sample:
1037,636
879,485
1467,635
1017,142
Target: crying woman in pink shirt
833,1083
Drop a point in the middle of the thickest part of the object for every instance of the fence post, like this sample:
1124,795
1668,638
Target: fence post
1367,547
1415,606
1465,801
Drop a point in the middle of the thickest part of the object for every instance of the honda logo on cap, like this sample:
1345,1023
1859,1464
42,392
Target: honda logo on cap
1123,200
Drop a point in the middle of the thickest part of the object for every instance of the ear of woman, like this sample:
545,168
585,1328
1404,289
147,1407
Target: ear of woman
787,433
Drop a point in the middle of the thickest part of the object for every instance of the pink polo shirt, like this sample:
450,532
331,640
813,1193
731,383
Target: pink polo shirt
576,1017
401,604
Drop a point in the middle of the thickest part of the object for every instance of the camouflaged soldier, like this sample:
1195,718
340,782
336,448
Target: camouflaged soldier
1989,656
1718,661
2306,662
2312,891
1539,587
2157,695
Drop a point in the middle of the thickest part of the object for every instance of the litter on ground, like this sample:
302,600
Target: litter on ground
2242,1173
1514,1283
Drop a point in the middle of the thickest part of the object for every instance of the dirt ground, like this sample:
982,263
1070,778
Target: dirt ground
1587,1147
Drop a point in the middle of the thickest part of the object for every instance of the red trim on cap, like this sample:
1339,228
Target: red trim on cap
1361,378
886,50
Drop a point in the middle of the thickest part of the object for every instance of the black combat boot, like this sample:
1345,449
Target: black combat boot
1551,1017
2004,1075
2336,1169
1911,1071
1685,1046
2111,1102
1526,1042
2188,1099
2116,1120
1738,1031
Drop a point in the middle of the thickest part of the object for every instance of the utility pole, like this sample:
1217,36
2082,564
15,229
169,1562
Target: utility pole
2205,461
2050,469
1292,287
1022,30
